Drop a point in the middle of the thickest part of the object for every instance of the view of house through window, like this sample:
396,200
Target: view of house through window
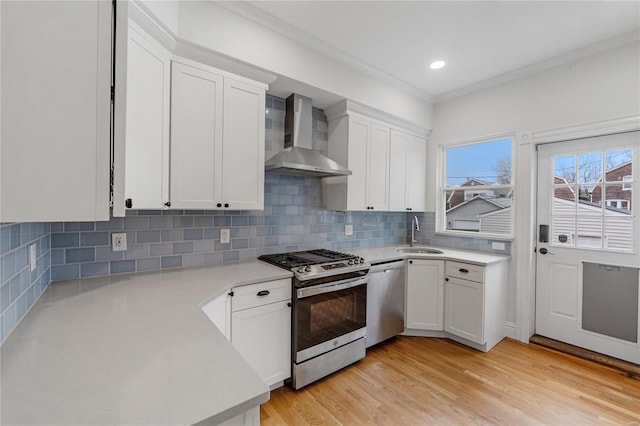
592,200
477,188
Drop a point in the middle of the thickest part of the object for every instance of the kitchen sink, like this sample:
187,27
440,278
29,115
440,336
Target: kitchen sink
420,250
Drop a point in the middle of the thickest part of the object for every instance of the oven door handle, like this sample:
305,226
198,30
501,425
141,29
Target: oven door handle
328,288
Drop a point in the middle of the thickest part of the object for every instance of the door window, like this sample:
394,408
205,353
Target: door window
592,204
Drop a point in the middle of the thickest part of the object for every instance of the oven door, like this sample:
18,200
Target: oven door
327,316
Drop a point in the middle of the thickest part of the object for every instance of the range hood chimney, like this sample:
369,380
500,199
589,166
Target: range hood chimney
297,157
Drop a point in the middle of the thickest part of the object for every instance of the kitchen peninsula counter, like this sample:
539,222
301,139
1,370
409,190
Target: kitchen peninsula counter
130,349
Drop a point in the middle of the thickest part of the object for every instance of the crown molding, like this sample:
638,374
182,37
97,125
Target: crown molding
145,19
273,23
574,55
141,16
227,63
347,107
587,130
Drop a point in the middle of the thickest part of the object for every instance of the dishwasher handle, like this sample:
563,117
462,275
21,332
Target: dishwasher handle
386,266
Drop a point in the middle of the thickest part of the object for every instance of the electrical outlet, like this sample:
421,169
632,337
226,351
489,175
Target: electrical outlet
225,236
497,245
119,241
32,257
348,230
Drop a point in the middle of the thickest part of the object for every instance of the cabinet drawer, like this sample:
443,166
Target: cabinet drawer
465,271
250,296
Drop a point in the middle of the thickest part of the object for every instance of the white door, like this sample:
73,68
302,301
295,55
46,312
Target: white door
196,138
243,146
587,265
425,294
262,335
359,134
147,137
378,168
398,179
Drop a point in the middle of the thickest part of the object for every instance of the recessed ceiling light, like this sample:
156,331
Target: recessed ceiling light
436,65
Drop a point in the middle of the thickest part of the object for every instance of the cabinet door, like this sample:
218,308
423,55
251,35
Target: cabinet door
358,155
196,137
425,294
262,335
243,146
464,309
56,72
398,171
378,168
415,173
147,129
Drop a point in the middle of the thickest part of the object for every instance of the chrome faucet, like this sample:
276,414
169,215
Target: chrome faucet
415,226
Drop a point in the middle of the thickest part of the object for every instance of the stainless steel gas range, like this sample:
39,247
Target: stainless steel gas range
329,316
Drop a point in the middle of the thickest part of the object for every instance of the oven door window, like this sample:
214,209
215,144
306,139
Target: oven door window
324,317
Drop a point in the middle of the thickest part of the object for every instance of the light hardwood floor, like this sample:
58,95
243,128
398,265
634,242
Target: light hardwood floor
427,381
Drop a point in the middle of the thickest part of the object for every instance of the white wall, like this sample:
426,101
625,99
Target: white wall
596,88
218,29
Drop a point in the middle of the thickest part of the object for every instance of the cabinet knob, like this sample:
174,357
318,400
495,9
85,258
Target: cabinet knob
168,204
411,262
446,279
289,304
226,205
219,204
128,203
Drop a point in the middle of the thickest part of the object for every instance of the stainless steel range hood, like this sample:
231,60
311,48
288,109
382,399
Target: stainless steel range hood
297,157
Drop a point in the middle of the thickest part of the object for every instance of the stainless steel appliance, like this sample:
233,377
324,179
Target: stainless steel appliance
385,301
329,315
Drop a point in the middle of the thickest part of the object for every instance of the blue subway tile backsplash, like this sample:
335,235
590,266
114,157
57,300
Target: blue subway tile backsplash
19,286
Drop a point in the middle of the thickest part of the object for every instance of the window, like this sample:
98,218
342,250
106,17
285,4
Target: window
476,189
593,200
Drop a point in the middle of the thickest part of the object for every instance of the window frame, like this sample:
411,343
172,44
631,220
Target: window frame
442,189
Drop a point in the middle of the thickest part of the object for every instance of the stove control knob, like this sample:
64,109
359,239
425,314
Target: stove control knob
350,262
301,269
307,268
362,260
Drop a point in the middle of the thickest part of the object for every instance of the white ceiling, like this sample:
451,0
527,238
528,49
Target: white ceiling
482,42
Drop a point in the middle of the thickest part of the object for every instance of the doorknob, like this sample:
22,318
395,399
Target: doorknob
544,251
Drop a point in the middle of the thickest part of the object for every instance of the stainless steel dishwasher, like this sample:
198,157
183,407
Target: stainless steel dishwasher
385,301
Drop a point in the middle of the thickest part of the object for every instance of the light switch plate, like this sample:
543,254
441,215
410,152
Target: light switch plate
118,241
497,245
225,236
32,257
348,230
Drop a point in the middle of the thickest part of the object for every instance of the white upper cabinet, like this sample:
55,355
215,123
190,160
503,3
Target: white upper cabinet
243,146
362,146
54,149
217,140
147,123
407,164
196,137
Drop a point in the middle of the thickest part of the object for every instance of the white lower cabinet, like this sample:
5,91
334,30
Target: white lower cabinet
475,302
425,294
261,328
256,318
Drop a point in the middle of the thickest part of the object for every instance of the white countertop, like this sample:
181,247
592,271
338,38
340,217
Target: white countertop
130,349
137,348
387,253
